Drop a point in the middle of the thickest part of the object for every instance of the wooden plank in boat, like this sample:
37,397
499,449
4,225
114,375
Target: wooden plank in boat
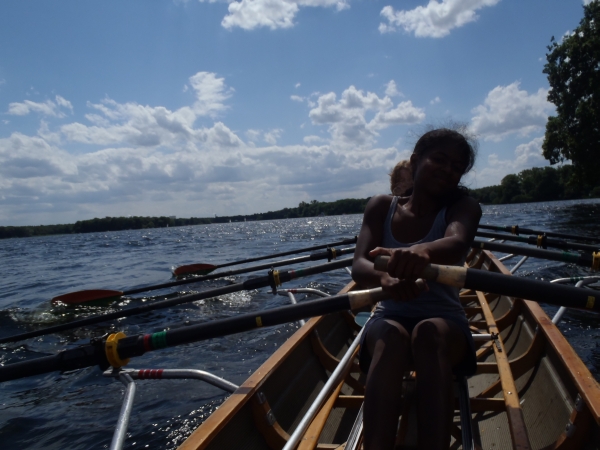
580,375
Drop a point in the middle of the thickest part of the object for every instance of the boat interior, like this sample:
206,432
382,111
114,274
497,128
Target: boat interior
531,390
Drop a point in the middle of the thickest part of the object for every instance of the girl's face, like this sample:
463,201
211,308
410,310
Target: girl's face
439,170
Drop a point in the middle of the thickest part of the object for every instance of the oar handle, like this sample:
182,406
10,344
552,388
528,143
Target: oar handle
450,275
496,283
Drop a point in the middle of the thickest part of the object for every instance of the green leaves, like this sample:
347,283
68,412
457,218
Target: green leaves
573,69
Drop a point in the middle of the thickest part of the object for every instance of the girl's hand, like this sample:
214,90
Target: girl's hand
404,268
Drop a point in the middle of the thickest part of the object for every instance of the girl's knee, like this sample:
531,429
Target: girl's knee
428,338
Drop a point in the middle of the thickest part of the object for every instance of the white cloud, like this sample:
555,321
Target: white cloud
147,126
47,108
272,136
436,19
508,110
526,156
134,159
435,101
297,98
391,90
297,85
211,92
312,139
347,117
250,14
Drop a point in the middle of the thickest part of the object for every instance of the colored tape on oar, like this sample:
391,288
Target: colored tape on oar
274,280
596,261
112,353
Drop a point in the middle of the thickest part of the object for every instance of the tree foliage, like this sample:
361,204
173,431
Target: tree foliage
538,184
573,69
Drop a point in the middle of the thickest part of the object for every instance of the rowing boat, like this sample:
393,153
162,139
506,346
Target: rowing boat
531,390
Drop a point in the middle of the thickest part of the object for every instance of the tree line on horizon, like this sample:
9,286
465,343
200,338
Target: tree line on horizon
531,185
304,209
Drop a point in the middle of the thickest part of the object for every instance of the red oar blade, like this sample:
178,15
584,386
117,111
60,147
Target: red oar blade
93,295
193,269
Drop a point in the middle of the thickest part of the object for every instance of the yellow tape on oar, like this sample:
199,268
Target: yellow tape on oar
596,261
111,350
590,302
276,279
539,240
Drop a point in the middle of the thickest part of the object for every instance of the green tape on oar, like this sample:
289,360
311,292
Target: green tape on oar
159,340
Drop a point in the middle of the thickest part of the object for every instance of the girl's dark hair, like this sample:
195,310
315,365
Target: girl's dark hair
445,137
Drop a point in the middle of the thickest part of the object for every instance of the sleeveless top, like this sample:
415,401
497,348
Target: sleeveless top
440,300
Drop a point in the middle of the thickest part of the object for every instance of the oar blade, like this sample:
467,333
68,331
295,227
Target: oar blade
193,269
89,297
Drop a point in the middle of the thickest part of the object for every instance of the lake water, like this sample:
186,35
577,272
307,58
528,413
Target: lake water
79,409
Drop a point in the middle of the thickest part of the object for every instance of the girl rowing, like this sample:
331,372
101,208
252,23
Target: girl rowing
423,326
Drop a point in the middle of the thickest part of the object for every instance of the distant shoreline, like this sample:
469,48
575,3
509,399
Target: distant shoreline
312,209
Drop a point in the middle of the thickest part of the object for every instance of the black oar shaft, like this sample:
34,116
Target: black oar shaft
568,257
290,252
517,230
252,283
138,345
539,291
95,354
213,276
540,241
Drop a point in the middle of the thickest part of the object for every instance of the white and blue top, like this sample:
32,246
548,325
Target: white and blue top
440,300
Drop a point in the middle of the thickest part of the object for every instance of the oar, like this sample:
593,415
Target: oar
273,279
496,283
117,348
204,268
516,230
541,241
587,259
97,295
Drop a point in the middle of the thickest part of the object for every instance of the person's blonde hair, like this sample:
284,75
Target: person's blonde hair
399,183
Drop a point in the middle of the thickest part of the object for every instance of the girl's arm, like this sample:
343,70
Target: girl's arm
407,264
370,237
463,219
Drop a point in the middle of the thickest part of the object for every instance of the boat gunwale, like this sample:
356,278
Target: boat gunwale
585,383
207,430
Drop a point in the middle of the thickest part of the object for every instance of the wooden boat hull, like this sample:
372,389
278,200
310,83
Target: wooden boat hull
531,389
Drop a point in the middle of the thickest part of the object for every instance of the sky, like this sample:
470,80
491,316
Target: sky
221,107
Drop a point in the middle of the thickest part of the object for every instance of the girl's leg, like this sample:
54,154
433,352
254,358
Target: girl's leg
437,345
389,345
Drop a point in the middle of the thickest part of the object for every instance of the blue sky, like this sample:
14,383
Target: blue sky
197,108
